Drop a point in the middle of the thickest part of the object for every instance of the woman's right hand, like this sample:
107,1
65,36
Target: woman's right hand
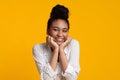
52,43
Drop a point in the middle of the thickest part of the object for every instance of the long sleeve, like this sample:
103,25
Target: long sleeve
73,68
44,68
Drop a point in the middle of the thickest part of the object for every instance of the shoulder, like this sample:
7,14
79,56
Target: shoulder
38,47
74,42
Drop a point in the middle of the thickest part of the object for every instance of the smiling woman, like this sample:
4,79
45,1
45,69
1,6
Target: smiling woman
58,58
59,31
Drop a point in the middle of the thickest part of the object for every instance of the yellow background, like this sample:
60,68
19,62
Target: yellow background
95,23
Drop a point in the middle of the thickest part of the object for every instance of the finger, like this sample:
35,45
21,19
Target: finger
52,40
69,39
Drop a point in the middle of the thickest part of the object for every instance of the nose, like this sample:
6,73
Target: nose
60,34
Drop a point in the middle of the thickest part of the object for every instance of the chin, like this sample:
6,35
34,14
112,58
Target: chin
59,43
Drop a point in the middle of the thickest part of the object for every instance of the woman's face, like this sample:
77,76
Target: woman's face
59,31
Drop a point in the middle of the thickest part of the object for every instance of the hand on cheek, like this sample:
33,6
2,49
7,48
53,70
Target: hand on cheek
64,44
51,42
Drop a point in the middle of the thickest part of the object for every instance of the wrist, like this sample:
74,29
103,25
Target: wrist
56,49
61,49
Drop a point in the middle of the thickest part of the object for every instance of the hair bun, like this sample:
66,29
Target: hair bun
59,11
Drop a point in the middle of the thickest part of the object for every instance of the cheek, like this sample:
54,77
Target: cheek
66,35
52,33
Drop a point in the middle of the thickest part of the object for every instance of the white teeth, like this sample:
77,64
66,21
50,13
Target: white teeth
59,39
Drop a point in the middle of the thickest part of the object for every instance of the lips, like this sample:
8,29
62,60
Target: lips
59,39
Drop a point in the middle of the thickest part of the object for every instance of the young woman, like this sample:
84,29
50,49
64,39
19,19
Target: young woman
58,58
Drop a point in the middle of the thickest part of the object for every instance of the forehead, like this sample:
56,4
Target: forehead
59,23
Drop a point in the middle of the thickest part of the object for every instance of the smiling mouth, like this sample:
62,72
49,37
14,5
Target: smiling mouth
59,40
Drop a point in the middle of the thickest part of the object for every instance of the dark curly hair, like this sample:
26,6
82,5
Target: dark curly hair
58,12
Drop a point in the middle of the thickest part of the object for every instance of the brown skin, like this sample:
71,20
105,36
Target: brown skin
58,39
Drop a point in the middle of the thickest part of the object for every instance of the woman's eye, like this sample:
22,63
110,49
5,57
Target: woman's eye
65,30
55,29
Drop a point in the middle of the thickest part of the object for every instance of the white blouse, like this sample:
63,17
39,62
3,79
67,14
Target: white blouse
42,54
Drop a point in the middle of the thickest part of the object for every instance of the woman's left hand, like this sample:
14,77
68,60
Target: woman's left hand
64,44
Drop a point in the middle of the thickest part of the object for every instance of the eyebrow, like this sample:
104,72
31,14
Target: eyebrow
58,27
54,27
65,28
